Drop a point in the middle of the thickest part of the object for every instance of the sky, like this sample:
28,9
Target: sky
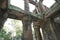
20,4
48,3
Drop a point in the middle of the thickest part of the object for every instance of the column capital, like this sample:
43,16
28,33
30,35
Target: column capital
37,23
25,18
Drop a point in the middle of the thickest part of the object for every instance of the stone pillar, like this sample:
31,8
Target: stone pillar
48,31
27,31
52,25
3,12
57,30
36,25
26,5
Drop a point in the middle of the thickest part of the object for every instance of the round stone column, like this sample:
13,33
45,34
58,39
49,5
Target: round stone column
27,31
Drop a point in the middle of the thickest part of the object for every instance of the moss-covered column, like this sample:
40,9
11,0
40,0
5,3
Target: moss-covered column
27,31
48,30
52,32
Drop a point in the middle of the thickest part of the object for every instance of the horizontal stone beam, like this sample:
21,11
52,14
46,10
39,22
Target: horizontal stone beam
52,11
24,11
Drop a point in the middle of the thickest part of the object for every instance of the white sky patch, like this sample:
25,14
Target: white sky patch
18,3
48,3
31,7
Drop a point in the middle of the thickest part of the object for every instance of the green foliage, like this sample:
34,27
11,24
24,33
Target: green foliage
4,35
7,36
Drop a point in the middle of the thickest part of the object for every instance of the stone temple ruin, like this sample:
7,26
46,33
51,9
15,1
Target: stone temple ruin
42,17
